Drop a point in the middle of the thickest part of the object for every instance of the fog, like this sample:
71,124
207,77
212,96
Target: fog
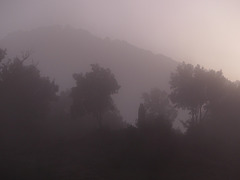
203,32
107,89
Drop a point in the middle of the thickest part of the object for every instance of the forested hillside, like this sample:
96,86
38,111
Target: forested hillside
61,51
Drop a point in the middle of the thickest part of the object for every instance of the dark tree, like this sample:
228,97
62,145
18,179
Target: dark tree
156,110
194,88
224,114
92,94
2,54
24,94
141,115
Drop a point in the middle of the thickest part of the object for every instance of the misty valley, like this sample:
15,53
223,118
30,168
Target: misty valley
74,106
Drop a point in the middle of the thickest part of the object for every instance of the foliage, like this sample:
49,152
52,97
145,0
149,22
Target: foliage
156,109
92,94
141,115
2,54
24,93
150,151
195,88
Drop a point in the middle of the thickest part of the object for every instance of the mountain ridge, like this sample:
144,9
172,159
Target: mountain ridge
62,51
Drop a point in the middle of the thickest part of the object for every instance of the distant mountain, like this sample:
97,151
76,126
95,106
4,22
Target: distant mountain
61,51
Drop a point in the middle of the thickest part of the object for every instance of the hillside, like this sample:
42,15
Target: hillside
59,52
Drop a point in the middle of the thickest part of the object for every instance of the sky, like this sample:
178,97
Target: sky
205,32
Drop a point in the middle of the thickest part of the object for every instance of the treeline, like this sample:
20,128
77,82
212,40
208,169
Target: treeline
80,134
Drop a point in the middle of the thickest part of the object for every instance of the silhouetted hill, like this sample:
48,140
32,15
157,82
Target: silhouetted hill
60,52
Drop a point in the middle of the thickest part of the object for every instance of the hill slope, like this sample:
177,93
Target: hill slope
60,52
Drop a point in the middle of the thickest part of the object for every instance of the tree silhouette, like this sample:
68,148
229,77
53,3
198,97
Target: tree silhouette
2,54
141,115
92,94
156,110
224,113
24,93
194,89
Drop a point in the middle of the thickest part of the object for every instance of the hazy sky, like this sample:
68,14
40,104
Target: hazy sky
206,32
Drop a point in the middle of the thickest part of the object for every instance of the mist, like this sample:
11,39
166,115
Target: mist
200,32
119,89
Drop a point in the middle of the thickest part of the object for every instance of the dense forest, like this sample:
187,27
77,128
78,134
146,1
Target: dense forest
80,134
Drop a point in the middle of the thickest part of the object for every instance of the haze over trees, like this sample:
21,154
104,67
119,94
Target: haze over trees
62,51
156,110
204,93
25,95
43,137
92,94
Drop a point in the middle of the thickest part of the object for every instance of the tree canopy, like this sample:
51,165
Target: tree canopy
156,109
24,93
92,93
210,148
191,89
206,94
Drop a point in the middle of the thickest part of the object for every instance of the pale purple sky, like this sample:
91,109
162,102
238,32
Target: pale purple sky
206,32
